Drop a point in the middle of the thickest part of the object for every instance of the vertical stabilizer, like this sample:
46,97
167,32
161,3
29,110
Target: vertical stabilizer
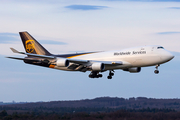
31,45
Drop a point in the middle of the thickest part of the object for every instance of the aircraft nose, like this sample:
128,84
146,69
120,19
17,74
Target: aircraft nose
169,56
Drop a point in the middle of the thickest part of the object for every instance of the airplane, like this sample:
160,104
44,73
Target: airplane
131,59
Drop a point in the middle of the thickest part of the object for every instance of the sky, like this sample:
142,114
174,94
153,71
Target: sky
70,26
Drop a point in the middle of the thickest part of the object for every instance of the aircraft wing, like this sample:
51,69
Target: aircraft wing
79,61
112,62
32,60
77,64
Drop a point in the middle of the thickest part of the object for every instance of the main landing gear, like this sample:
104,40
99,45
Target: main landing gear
110,74
95,75
156,71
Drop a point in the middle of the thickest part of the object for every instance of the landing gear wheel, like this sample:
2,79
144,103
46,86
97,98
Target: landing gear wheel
91,76
156,71
95,75
109,77
100,75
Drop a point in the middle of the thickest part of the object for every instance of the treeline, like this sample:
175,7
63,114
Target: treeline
65,110
106,102
131,114
104,108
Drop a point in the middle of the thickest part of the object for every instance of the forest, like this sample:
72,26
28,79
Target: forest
104,108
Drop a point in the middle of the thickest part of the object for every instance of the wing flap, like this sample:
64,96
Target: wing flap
73,66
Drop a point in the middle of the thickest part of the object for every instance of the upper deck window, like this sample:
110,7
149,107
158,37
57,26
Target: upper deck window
160,48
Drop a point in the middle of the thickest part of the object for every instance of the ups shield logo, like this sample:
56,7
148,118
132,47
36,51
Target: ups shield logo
30,46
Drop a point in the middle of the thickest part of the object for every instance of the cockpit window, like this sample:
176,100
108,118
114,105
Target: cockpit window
160,48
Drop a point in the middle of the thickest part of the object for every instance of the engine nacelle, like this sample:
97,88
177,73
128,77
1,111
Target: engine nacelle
133,70
62,63
98,66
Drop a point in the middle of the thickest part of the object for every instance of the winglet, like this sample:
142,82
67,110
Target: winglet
14,50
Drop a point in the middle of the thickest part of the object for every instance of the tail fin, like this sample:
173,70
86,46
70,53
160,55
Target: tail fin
31,45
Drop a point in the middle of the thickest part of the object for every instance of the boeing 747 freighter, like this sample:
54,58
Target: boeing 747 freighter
131,59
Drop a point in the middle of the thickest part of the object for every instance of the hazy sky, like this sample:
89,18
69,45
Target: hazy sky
69,26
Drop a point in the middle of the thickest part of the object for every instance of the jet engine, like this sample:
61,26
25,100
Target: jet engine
62,62
133,70
98,66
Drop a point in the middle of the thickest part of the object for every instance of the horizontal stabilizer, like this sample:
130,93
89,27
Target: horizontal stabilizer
34,55
14,50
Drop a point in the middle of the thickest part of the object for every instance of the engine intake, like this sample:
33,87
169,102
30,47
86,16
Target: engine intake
62,63
98,66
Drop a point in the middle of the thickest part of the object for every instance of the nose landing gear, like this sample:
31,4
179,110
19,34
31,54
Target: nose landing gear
156,71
